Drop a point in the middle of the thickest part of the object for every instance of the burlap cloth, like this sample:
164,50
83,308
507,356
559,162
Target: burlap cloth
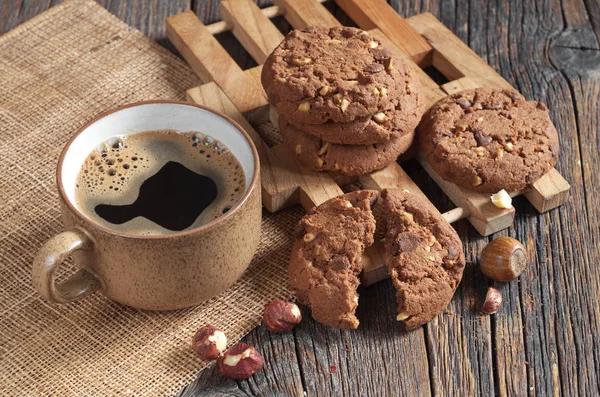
57,71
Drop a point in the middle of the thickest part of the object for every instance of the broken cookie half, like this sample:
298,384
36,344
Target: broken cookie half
423,255
326,256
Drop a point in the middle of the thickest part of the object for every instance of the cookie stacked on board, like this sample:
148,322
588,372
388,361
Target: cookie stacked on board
345,102
489,139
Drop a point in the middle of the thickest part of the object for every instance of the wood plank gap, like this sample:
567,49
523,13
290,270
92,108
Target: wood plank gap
269,12
303,13
211,62
252,28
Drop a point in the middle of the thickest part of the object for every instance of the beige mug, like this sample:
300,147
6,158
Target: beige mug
159,272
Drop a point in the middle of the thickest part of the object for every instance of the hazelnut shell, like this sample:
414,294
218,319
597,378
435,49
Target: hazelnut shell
503,259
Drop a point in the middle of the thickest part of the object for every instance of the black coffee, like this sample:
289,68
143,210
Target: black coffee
159,182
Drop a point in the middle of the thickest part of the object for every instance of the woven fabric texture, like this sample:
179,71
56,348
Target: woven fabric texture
59,70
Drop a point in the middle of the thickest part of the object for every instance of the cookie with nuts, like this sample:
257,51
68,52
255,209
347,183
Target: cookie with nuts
489,139
326,256
423,254
340,74
318,155
378,128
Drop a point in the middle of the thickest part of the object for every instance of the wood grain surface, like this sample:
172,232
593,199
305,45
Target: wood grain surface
544,339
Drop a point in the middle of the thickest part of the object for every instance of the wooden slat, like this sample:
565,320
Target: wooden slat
303,13
371,14
314,187
483,215
211,62
452,57
460,84
548,192
252,28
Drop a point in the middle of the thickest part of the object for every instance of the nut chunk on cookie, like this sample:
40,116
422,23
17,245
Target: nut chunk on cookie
326,256
423,254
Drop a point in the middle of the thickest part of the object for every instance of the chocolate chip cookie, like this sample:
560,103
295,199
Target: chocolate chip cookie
340,74
489,139
378,128
318,155
423,254
326,256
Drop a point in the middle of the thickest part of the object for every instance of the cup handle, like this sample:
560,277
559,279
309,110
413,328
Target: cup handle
48,260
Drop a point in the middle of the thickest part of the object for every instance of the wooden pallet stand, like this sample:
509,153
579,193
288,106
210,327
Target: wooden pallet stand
421,40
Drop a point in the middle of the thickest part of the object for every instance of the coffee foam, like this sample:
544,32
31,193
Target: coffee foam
114,172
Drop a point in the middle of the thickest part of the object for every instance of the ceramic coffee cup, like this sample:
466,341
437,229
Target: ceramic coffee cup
151,272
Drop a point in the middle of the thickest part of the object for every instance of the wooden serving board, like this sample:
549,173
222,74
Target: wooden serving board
421,40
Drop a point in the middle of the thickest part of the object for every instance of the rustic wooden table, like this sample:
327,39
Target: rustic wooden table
543,341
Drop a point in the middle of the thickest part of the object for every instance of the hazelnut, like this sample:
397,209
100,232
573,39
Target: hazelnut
477,180
503,259
407,216
337,98
323,149
304,106
239,362
402,316
389,64
493,300
324,90
344,105
373,44
379,117
509,147
280,316
499,154
479,151
376,91
301,61
501,199
308,237
209,342
383,91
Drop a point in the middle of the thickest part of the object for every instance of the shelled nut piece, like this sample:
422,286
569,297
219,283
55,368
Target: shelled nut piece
280,316
241,361
209,342
503,259
493,300
501,199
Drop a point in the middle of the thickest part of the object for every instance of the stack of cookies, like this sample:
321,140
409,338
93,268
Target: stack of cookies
346,103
